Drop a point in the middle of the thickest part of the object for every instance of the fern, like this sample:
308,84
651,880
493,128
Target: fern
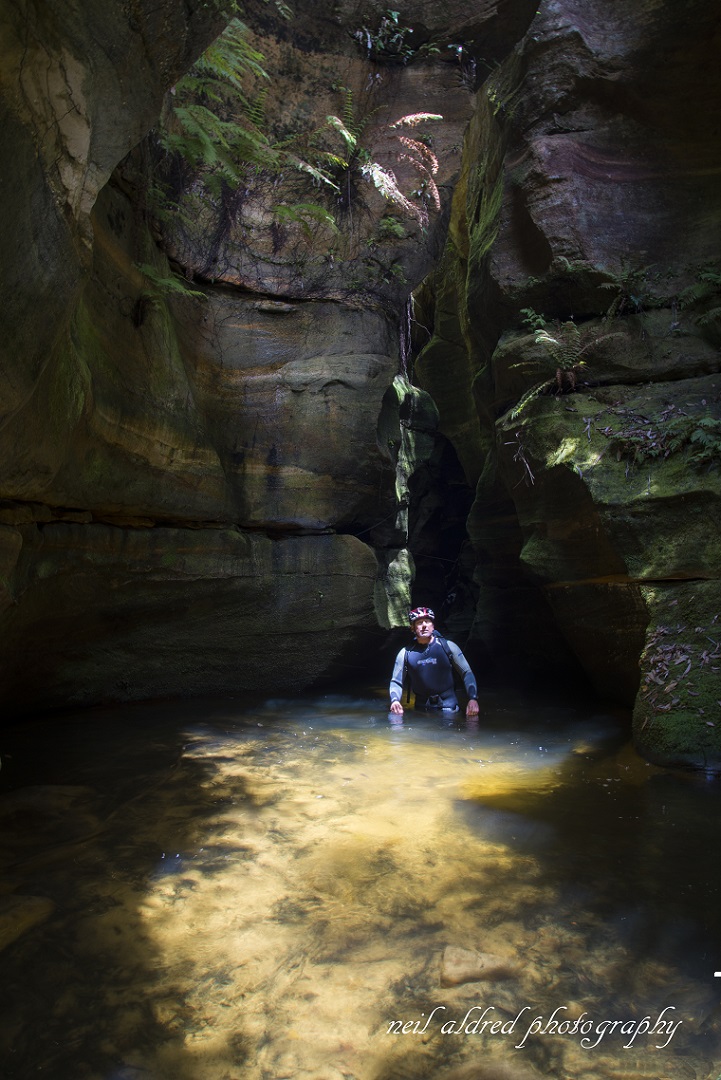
225,64
388,41
563,346
421,158
568,343
700,436
415,118
711,317
386,182
356,160
529,395
162,285
197,130
391,228
256,109
344,131
564,350
214,153
349,118
211,132
532,319
419,150
704,289
632,291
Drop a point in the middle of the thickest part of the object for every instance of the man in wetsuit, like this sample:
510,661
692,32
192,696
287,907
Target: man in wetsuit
429,664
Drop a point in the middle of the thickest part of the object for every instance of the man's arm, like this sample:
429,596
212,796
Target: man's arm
469,680
396,688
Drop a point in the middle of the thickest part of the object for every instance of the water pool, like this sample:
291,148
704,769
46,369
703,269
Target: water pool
303,889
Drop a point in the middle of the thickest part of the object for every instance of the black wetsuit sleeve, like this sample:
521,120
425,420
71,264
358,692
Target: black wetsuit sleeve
462,667
396,688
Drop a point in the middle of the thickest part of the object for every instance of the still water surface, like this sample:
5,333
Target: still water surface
214,891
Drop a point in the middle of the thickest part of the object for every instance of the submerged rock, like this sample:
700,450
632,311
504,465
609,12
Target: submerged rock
459,965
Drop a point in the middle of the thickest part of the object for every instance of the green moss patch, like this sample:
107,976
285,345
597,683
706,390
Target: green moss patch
677,718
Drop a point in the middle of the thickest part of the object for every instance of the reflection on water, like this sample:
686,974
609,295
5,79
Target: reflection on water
217,892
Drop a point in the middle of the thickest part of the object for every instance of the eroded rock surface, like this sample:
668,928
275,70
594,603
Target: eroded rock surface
241,423
597,206
109,613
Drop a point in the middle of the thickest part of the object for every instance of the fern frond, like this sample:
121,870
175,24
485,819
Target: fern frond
332,160
709,317
312,170
348,111
231,57
256,109
304,214
415,118
385,181
595,341
694,294
340,127
532,319
529,395
433,192
422,151
429,183
562,346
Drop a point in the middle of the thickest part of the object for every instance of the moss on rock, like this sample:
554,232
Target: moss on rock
677,716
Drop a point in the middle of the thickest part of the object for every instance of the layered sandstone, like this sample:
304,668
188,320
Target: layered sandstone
172,463
596,514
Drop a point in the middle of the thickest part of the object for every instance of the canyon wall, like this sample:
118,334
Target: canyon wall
578,304
508,387
205,489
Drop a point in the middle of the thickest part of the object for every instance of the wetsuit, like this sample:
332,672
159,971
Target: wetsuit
430,670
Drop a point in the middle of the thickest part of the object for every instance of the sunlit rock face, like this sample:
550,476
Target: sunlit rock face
597,515
403,92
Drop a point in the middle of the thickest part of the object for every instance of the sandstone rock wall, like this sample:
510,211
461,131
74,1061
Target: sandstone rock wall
191,470
590,198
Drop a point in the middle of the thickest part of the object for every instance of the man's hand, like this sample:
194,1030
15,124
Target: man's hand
397,708
472,708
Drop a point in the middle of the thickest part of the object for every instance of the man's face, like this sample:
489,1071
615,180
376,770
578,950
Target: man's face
423,629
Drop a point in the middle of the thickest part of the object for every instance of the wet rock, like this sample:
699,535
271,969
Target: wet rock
142,600
487,1070
460,965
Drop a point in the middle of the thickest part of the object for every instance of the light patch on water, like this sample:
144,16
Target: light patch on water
271,902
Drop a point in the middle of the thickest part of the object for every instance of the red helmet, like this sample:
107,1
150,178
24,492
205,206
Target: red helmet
420,613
